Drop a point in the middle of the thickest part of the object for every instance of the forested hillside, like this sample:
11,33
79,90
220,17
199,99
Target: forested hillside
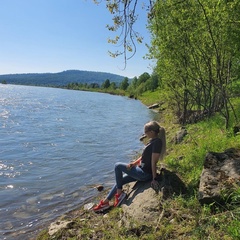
60,79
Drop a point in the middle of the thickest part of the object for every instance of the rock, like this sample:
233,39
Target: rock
99,188
192,116
220,173
153,106
21,214
7,225
132,96
59,225
236,130
88,206
180,135
143,203
170,183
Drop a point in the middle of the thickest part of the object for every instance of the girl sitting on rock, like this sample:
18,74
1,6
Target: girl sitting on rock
143,169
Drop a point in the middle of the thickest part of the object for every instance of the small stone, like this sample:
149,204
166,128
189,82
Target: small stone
56,226
99,188
172,221
88,206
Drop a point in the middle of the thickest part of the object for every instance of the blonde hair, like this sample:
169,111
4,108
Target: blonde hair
154,126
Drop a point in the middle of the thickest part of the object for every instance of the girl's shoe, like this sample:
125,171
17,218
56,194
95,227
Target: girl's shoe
101,207
119,199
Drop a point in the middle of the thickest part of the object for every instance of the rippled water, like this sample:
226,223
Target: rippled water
54,145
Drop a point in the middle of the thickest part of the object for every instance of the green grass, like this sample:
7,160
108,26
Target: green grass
149,98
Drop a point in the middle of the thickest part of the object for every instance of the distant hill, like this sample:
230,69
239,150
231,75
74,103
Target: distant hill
61,78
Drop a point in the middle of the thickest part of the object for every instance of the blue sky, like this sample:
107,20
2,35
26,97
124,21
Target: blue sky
38,36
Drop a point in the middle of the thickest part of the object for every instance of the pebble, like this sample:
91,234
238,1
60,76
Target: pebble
88,206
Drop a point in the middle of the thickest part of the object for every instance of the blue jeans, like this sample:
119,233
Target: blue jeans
124,175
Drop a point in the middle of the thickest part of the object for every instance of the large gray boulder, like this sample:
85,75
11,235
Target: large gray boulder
143,202
221,173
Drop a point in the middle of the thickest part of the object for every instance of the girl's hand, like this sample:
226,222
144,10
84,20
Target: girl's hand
129,166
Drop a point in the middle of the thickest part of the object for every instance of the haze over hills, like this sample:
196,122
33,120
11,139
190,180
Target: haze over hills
61,78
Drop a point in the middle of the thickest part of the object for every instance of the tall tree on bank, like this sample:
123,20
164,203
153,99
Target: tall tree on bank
124,84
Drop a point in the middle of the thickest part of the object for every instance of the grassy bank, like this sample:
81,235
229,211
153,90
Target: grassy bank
184,218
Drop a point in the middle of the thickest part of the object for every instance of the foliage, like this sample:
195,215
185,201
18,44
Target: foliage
106,84
4,82
197,50
124,84
133,87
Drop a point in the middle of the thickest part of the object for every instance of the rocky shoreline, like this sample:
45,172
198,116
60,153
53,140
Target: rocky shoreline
140,206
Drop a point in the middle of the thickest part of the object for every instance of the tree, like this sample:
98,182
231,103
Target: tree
124,84
113,85
134,82
132,87
93,85
143,78
106,84
152,83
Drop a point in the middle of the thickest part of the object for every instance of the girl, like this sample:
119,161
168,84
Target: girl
143,169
